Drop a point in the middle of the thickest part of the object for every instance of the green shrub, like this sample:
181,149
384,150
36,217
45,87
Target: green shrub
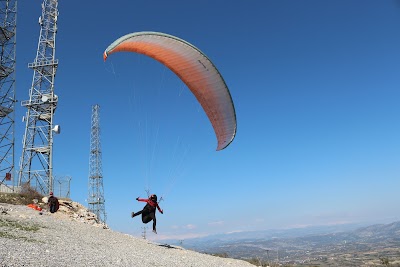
221,255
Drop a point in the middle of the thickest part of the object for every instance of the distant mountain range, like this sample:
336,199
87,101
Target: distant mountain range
268,234
339,245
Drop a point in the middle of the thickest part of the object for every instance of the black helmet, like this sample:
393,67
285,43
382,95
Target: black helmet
153,197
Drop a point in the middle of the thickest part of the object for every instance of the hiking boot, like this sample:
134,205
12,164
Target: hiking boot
154,231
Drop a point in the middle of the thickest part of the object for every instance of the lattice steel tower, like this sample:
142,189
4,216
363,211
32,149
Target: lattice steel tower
8,25
96,189
36,165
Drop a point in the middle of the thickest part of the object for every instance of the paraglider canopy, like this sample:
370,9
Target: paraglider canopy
194,68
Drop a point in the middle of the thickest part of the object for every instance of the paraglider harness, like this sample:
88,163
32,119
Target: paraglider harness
150,209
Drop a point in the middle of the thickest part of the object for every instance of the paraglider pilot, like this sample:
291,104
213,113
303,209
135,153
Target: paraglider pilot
53,203
149,211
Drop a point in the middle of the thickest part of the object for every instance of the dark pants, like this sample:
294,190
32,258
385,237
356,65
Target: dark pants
53,208
148,214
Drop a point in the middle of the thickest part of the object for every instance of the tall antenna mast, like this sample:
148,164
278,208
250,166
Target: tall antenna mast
36,165
144,232
96,189
8,26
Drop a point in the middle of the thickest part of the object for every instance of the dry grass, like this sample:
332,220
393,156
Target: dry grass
26,196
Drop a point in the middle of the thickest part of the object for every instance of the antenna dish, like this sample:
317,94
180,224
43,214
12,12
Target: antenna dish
57,129
45,98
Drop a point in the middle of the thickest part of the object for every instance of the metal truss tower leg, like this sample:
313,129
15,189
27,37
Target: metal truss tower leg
8,22
36,164
96,190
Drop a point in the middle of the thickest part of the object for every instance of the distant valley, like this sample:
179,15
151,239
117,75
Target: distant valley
345,245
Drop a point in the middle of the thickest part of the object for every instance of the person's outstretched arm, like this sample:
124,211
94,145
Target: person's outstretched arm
142,199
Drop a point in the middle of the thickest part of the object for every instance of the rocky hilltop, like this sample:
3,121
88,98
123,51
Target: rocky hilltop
73,237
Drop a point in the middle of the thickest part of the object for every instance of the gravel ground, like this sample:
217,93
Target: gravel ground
30,239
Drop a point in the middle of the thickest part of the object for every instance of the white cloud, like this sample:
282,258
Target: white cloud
235,231
176,236
291,226
190,226
216,223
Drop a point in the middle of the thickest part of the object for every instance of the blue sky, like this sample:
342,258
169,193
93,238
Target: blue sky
315,86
